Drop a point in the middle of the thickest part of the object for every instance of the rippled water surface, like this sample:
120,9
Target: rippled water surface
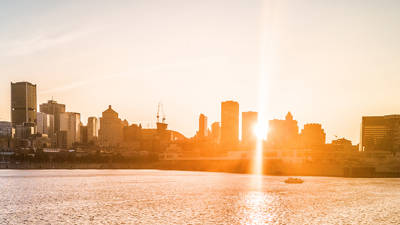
174,197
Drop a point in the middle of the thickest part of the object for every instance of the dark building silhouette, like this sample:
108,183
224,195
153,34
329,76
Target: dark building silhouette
312,135
132,133
84,134
216,132
380,133
229,123
157,140
7,132
203,126
249,122
111,128
343,144
6,129
23,103
55,109
283,133
62,139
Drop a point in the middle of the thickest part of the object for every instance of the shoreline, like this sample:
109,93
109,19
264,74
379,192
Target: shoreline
226,166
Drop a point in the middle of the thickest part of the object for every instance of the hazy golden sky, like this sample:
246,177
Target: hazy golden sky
328,62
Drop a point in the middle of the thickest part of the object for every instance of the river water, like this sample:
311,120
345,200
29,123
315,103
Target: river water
177,197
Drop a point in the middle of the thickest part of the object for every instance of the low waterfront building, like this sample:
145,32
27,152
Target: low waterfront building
342,144
24,131
312,136
283,133
380,133
6,129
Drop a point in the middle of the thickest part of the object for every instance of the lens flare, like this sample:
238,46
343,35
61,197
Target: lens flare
260,131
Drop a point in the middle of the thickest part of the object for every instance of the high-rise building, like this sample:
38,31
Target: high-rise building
84,134
45,124
249,122
203,126
283,133
216,132
53,108
92,129
23,103
61,139
380,133
70,123
111,128
312,135
229,123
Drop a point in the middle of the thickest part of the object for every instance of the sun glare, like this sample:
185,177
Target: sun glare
261,131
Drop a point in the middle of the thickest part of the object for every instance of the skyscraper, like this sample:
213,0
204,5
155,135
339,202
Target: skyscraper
249,121
45,123
53,108
23,103
70,127
84,134
92,129
203,127
229,123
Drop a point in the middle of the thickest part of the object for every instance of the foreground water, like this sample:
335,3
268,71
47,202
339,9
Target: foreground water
175,197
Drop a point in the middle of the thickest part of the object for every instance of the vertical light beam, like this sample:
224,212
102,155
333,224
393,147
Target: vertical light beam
265,69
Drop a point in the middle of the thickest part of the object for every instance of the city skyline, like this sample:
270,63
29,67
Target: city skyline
319,68
200,112
66,128
259,134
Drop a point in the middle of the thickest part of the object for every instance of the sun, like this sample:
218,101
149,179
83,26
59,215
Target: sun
261,130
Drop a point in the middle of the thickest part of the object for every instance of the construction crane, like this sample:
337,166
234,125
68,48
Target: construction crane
160,108
161,125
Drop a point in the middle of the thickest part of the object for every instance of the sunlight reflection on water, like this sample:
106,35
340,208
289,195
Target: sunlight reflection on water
256,208
177,197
